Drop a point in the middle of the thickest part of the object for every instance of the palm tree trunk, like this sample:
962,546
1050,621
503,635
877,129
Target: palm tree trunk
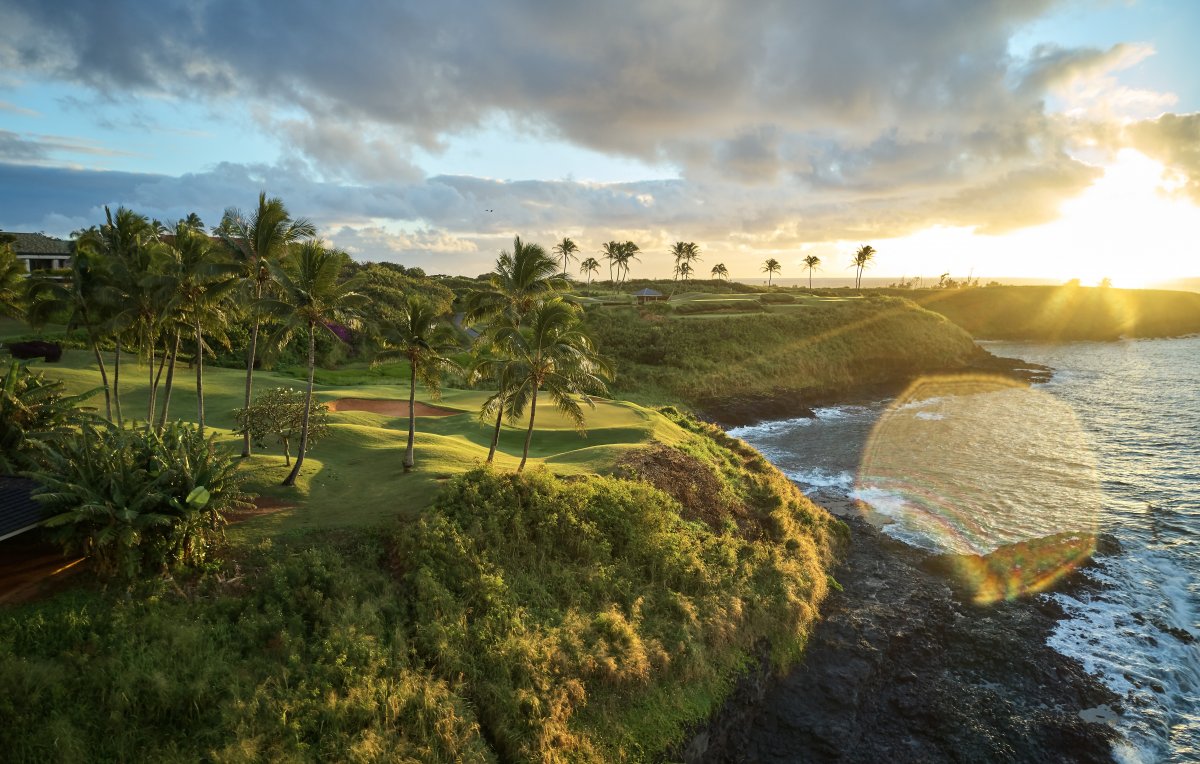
150,404
496,432
170,384
250,381
312,365
103,379
412,414
117,383
529,433
200,379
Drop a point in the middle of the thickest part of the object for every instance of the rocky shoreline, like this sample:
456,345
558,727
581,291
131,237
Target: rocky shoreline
903,668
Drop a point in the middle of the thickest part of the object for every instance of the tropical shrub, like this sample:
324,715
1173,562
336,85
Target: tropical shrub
33,410
279,412
133,500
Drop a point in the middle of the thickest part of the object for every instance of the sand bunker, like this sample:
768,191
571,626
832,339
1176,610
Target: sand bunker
387,407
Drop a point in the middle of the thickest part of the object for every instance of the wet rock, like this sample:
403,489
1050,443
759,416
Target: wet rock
903,668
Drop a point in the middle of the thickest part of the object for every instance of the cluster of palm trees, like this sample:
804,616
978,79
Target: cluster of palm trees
147,290
137,287
859,261
685,253
532,342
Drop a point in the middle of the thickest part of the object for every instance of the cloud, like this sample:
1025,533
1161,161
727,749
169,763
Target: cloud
1174,140
786,121
12,108
18,147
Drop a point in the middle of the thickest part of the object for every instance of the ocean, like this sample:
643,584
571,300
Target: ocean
1108,449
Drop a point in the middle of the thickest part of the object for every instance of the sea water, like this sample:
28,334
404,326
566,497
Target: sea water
1110,445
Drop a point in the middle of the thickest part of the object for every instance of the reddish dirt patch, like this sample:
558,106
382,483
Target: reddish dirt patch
31,567
387,407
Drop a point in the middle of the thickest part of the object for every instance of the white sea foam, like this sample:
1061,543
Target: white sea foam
930,416
840,412
753,431
818,478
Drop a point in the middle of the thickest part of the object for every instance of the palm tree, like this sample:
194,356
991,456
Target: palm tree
862,258
771,267
811,262
256,242
198,279
612,253
684,270
719,271
12,283
626,251
589,266
493,366
684,252
127,245
83,300
312,296
522,278
566,249
423,337
554,354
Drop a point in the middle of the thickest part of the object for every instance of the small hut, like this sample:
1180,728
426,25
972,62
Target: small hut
648,295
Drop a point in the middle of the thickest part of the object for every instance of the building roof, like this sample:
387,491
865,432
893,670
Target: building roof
648,292
18,510
38,244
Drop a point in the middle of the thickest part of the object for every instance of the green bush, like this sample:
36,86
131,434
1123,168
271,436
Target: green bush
133,501
777,298
590,621
33,411
294,653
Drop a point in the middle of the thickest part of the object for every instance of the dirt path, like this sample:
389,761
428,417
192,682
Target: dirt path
387,407
30,567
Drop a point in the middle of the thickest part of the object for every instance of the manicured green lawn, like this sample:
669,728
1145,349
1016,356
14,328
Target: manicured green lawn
354,477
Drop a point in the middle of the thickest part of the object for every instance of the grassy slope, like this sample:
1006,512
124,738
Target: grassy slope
815,344
1065,313
555,620
355,476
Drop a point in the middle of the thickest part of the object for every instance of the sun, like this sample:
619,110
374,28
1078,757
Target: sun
1132,227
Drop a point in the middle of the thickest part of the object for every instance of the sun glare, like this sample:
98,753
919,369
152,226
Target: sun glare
1130,226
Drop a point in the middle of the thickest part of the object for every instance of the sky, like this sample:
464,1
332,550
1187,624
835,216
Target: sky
999,138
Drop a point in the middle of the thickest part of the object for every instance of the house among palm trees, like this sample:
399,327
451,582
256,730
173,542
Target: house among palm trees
648,295
40,252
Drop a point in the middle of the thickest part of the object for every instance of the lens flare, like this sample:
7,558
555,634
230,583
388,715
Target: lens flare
986,468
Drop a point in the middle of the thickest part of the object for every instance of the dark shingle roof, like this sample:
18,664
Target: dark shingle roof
647,292
18,510
38,244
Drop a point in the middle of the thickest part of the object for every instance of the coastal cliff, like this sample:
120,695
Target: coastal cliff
740,369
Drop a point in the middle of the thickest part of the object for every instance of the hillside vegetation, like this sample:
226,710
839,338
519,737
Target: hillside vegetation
522,617
1065,313
814,346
